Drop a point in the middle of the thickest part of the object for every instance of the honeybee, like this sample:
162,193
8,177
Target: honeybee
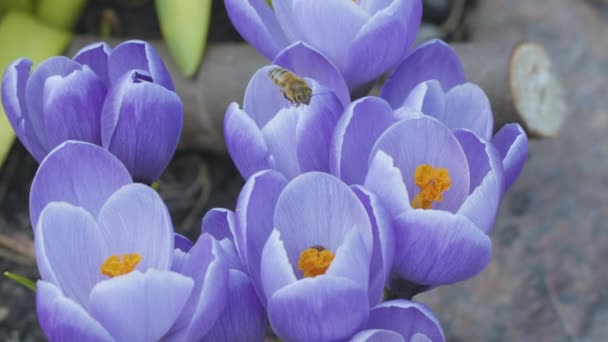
294,88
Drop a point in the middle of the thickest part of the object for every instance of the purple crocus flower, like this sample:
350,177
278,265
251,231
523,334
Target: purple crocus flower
317,251
364,39
105,252
431,80
271,133
441,187
122,99
401,320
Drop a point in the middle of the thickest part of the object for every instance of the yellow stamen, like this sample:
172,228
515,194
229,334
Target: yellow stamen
113,266
433,182
315,261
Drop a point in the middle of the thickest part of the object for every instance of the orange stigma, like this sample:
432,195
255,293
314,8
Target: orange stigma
113,266
315,261
433,182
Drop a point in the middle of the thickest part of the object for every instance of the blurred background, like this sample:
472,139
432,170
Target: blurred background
548,280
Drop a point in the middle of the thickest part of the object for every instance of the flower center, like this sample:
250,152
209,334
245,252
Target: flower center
315,261
113,266
433,182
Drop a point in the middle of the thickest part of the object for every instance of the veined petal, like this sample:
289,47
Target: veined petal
263,99
138,55
79,173
383,252
317,209
407,318
135,220
435,247
356,132
512,145
244,318
254,219
280,136
14,103
315,128
208,298
384,179
332,40
62,319
245,142
285,16
141,123
383,41
377,335
323,308
35,88
219,223
72,107
257,24
96,57
481,206
304,60
427,97
468,107
69,250
433,60
276,270
140,306
424,140
351,259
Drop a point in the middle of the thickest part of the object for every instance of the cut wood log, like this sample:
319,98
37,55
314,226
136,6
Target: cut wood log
520,82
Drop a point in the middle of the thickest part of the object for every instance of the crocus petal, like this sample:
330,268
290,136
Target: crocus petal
331,40
62,319
34,92
137,54
373,6
424,140
512,145
276,270
181,242
318,309
280,136
485,164
420,338
384,243
435,247
377,335
317,209
141,123
219,223
428,98
263,99
385,180
256,22
351,259
468,107
69,250
285,16
254,213
96,57
355,134
245,142
370,55
14,103
208,297
140,306
433,60
244,318
136,220
304,60
72,107
407,318
79,173
315,128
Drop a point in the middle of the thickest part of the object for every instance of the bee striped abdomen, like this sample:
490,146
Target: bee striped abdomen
294,89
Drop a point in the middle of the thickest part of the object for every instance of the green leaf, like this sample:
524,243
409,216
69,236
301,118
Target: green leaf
29,283
269,2
24,5
184,24
21,35
60,13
